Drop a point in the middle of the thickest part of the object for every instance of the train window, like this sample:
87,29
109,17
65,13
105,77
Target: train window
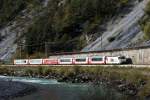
97,59
112,60
122,57
65,60
81,60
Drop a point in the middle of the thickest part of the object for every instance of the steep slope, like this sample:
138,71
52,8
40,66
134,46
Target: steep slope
7,45
68,25
65,24
123,34
12,32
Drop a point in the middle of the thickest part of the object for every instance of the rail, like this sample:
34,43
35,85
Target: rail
132,66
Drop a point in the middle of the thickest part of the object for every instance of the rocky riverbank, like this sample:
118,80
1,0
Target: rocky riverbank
133,82
9,89
120,85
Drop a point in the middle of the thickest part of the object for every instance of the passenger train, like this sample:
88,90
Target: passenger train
73,60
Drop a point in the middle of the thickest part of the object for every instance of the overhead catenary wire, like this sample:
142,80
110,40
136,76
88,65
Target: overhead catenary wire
44,44
39,44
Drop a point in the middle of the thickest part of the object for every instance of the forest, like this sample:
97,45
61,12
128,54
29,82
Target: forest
63,24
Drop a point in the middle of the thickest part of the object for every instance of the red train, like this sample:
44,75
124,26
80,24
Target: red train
72,60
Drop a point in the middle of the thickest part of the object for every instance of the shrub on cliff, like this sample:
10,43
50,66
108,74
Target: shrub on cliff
147,30
65,24
9,9
145,22
147,9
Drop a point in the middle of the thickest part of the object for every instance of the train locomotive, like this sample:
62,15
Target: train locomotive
97,60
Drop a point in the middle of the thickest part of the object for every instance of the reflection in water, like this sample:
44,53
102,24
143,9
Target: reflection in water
52,90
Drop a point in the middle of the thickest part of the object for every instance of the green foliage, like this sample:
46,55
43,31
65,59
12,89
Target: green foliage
147,30
145,23
40,71
47,72
76,70
29,72
9,9
134,77
67,73
81,42
147,9
65,23
145,91
6,71
90,26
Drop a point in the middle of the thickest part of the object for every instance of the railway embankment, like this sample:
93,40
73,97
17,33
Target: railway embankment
134,82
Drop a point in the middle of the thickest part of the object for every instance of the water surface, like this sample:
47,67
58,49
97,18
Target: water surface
53,90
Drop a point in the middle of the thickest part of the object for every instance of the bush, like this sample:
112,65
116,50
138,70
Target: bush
9,10
145,23
147,9
40,71
47,72
147,30
6,71
135,77
145,91
76,69
68,22
29,72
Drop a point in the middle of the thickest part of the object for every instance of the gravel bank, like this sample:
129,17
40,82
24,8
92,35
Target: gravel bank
9,89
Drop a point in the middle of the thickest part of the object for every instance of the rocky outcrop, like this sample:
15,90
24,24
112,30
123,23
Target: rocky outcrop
123,33
13,32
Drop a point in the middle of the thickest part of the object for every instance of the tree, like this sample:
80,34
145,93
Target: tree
65,22
147,30
147,9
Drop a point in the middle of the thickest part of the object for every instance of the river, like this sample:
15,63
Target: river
53,90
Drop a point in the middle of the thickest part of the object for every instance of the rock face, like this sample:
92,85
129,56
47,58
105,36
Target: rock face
14,31
119,34
10,89
122,34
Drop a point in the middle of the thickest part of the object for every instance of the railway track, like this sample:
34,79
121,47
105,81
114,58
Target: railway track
134,66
